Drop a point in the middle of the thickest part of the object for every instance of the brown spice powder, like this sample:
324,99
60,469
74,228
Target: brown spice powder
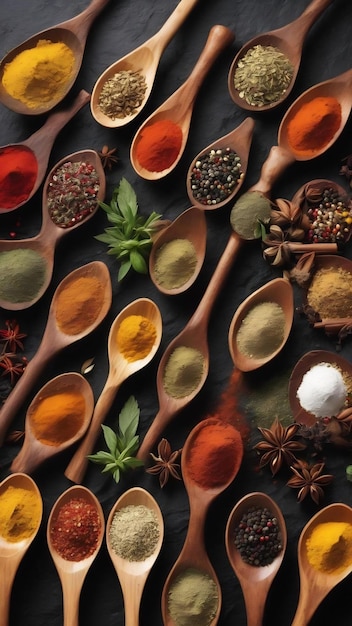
330,293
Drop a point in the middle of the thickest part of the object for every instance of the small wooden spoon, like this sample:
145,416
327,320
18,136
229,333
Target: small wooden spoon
42,141
133,574
74,34
239,140
119,370
315,585
179,106
34,452
11,554
255,581
50,233
145,60
278,290
73,573
193,553
289,40
54,341
190,225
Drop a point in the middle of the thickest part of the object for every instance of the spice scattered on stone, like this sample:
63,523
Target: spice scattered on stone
330,216
134,532
72,193
257,537
122,94
76,530
215,175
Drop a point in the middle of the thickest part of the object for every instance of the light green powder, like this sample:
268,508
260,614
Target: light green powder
193,599
262,330
183,371
134,532
175,263
22,274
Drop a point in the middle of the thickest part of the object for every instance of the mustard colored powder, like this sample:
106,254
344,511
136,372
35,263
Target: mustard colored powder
135,337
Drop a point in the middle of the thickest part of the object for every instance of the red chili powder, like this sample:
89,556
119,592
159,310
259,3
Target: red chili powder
18,173
76,529
159,145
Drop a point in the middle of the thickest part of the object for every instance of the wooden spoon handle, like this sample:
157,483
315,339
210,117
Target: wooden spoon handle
172,24
80,24
7,578
273,167
298,29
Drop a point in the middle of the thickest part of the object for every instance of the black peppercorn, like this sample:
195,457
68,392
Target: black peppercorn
215,175
257,537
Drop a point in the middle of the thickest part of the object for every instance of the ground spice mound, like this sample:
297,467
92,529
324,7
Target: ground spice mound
330,293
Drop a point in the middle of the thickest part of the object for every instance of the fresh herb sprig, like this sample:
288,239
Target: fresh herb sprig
122,445
130,237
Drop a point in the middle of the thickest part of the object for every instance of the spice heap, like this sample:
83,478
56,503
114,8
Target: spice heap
183,371
20,513
57,418
193,599
262,330
257,536
248,212
263,75
175,263
215,176
330,292
134,532
322,391
39,75
135,337
159,145
122,94
314,125
78,304
76,530
72,193
22,274
18,174
330,217
329,547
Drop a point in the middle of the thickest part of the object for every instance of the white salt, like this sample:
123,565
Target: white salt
322,391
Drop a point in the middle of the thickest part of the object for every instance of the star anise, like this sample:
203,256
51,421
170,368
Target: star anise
108,157
11,336
12,367
309,480
277,251
290,218
165,463
279,445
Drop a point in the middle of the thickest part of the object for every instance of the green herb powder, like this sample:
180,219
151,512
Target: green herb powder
134,532
193,599
22,274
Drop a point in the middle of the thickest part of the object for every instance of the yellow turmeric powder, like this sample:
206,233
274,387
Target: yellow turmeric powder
37,76
329,547
57,418
20,513
135,337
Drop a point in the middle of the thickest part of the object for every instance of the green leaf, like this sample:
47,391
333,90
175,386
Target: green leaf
129,417
110,438
101,457
124,269
138,262
116,475
127,199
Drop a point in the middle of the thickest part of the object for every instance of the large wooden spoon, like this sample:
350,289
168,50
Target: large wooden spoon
50,233
314,584
255,581
133,574
119,370
42,141
73,573
289,40
12,553
144,60
54,341
34,452
74,34
179,106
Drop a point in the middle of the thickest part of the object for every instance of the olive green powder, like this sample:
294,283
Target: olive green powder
262,330
175,263
247,213
183,371
134,532
22,274
193,599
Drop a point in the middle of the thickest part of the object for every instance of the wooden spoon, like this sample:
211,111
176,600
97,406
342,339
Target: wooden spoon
133,574
190,225
289,40
34,452
74,34
144,60
54,341
73,573
11,554
239,140
193,553
50,234
278,290
255,581
42,141
179,106
119,370
315,585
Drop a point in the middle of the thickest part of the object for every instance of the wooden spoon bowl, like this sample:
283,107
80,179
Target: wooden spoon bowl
178,108
12,553
289,40
73,573
50,233
278,291
133,574
314,584
34,452
255,581
74,34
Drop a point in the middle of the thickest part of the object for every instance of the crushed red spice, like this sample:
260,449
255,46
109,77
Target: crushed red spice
76,529
72,193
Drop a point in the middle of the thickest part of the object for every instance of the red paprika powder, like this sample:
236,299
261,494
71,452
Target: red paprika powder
18,173
76,530
314,124
159,145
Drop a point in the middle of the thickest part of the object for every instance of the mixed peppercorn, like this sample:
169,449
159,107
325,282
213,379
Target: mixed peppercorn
330,216
215,176
257,536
